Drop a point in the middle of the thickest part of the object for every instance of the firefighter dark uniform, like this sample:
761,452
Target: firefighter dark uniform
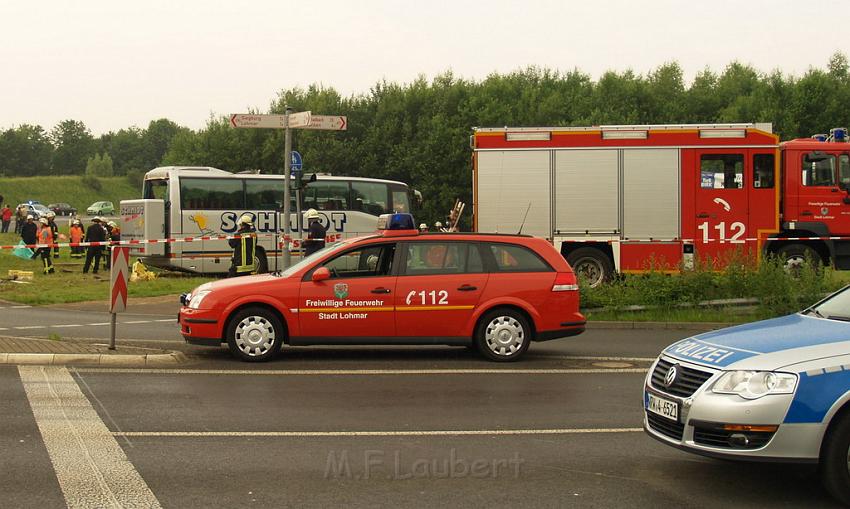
45,236
113,234
29,232
51,222
94,233
315,233
244,249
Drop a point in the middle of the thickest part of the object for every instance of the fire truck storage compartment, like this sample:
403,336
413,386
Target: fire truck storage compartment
651,194
511,182
587,191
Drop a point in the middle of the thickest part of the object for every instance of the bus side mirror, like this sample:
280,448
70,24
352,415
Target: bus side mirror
320,274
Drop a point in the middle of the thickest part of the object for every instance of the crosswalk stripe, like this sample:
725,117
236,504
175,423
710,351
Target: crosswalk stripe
91,467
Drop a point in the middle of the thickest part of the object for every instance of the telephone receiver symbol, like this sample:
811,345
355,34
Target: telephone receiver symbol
723,203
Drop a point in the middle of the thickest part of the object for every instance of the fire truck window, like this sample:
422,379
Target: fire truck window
510,258
763,170
721,171
362,262
844,171
427,258
818,169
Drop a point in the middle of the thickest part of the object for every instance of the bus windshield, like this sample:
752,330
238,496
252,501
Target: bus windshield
156,189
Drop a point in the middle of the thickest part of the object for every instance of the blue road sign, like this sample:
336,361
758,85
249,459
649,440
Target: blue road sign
295,163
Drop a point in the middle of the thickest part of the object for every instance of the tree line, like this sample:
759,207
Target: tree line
419,132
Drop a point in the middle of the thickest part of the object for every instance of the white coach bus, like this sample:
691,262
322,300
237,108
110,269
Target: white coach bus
180,202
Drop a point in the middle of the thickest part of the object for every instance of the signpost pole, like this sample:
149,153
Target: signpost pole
112,323
287,149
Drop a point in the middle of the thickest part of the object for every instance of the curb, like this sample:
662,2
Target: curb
65,359
603,324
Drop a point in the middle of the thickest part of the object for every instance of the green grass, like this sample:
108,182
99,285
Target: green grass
69,284
68,189
718,315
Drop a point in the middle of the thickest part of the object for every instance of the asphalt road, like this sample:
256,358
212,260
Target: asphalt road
366,427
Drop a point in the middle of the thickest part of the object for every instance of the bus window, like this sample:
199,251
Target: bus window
326,195
401,199
264,194
156,190
211,193
369,197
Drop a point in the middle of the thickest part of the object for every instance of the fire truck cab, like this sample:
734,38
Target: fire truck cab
628,198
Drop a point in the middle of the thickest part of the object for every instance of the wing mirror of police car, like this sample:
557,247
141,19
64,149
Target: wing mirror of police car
321,274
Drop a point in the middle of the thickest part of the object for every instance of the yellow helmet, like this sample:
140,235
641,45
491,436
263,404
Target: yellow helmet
246,219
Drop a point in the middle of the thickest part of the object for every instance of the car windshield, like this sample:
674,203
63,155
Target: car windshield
309,259
834,307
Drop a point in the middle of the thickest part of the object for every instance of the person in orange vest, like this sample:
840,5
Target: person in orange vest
76,235
45,236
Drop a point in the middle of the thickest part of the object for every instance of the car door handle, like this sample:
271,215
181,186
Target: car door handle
381,290
702,215
467,288
806,213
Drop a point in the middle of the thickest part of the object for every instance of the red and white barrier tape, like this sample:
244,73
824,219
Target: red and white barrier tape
135,242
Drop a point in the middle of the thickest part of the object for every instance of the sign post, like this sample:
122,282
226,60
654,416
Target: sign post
287,122
118,276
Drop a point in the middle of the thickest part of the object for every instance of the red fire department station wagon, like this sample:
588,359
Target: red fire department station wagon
494,292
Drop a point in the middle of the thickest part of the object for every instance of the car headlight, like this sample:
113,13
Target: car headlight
755,384
197,298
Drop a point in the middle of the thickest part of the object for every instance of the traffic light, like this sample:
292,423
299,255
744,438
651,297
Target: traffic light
302,179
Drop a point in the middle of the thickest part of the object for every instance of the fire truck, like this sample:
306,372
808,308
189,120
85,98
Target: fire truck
628,198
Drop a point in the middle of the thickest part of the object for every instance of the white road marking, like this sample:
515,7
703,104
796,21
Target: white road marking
590,358
137,321
31,327
99,323
406,433
347,372
19,307
4,328
91,468
67,325
167,320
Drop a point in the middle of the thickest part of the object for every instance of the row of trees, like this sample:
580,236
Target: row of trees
418,132
66,149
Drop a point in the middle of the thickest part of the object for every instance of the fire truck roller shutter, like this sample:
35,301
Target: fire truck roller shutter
508,182
587,190
651,205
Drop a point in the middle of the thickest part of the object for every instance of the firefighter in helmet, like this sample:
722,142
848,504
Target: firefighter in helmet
243,262
316,232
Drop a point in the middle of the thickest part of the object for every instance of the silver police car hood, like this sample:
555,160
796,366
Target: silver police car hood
768,344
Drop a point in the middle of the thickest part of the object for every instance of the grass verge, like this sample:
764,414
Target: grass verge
69,284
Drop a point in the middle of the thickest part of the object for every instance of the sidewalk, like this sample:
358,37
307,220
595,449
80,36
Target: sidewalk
64,352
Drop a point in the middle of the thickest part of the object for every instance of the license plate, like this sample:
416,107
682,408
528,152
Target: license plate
663,407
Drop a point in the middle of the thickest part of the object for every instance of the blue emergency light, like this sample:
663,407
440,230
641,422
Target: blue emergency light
398,221
819,137
839,134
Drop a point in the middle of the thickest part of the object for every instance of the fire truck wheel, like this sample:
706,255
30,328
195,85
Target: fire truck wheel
835,459
795,256
592,265
255,334
502,335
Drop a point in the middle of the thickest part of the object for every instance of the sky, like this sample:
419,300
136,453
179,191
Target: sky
114,64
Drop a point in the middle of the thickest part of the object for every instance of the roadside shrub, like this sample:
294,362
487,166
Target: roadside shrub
92,182
135,178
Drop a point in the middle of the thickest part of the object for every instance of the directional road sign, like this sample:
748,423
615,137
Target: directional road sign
250,120
118,278
328,123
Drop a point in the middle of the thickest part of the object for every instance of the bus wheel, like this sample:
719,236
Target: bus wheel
835,460
255,334
261,262
795,256
592,265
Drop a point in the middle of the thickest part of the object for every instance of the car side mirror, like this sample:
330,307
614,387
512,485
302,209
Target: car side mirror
320,274
847,200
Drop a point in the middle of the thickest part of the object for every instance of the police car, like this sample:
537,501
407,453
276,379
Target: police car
772,390
494,292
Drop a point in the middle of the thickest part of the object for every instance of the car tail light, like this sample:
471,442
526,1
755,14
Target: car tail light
565,282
